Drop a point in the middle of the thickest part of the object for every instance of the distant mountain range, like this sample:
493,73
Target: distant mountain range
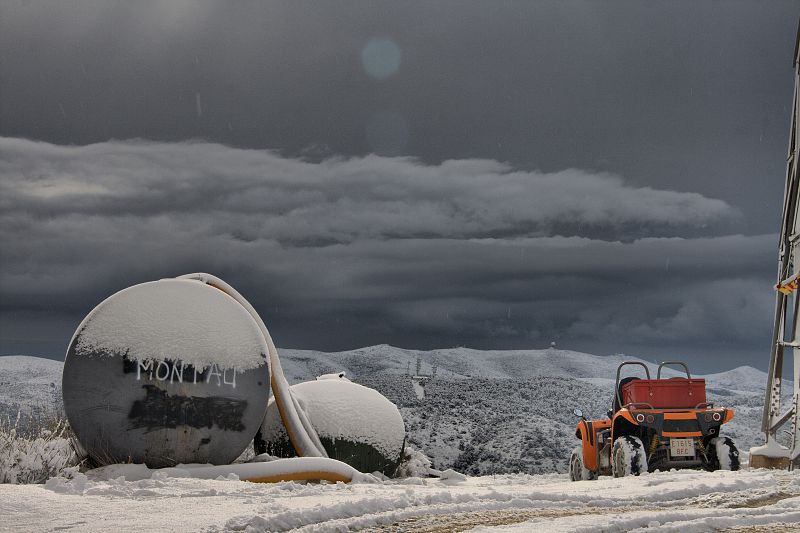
455,363
477,411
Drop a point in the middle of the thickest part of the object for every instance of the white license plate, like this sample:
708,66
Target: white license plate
681,447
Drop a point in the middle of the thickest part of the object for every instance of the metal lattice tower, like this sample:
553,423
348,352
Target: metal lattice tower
786,332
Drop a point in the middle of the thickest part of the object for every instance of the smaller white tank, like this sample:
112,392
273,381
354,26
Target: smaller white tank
356,425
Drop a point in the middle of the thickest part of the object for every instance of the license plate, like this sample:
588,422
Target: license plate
681,447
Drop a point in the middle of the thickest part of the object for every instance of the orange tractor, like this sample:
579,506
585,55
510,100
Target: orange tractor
656,424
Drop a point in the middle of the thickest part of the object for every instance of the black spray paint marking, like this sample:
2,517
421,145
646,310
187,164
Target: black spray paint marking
159,410
177,371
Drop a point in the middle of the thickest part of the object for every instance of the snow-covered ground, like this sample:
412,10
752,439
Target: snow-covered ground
683,501
480,412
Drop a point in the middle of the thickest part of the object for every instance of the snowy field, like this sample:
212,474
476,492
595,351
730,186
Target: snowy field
447,415
686,501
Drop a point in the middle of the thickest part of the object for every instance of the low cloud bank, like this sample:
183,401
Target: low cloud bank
347,252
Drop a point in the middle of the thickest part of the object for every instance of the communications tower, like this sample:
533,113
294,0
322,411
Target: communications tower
783,421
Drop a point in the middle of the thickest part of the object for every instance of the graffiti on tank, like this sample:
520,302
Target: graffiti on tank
159,410
172,371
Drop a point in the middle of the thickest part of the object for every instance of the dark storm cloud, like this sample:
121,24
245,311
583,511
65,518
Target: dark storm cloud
601,174
682,95
461,252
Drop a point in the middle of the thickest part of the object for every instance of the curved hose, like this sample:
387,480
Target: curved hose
301,433
295,469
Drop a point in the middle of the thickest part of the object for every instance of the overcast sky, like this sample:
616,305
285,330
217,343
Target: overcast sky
605,175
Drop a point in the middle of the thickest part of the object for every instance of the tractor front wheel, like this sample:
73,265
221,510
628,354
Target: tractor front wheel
577,470
628,457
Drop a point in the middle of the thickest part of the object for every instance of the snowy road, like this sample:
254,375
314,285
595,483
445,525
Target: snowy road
676,501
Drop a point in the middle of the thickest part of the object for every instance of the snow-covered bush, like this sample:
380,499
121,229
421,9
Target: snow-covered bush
40,451
414,464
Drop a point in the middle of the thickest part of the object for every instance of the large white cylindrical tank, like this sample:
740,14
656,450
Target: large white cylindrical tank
166,372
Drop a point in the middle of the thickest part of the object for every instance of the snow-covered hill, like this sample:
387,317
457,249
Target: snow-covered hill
740,379
490,425
510,364
477,411
29,384
452,362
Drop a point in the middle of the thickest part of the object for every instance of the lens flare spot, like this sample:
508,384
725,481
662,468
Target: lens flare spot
381,57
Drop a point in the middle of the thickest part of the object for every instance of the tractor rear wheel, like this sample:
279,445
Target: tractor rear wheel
577,470
628,457
724,454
